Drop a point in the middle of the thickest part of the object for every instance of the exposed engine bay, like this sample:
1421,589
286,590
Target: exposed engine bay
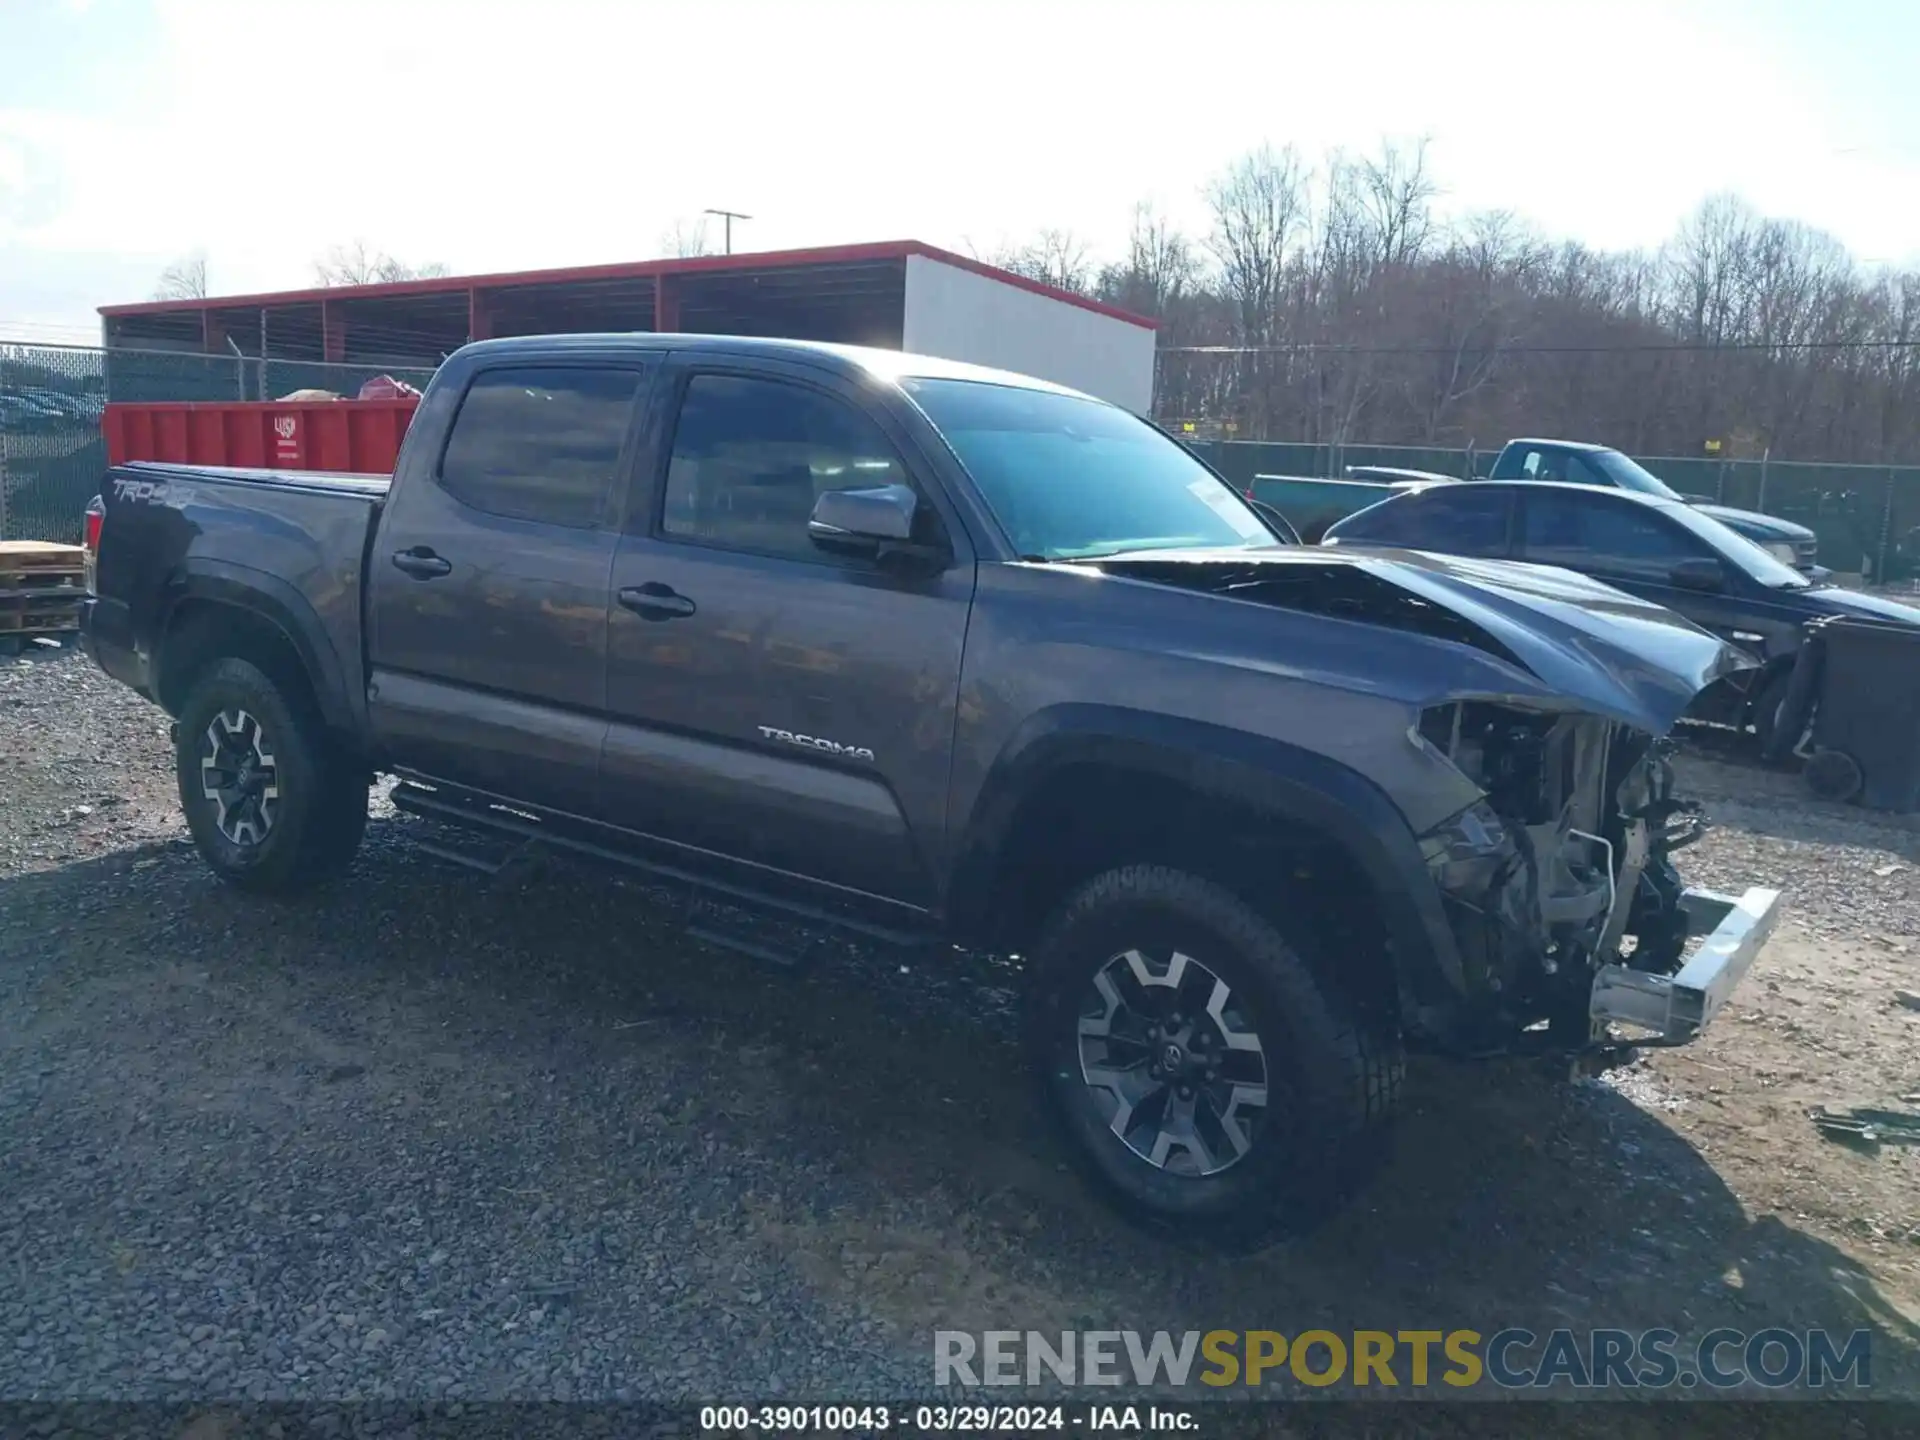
1563,866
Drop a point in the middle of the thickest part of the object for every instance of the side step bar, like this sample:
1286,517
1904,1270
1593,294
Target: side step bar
708,899
470,859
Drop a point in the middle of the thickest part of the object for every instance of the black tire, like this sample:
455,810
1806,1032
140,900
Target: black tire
309,828
1766,710
1331,1084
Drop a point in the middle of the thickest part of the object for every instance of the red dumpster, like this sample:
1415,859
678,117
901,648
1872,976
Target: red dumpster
355,436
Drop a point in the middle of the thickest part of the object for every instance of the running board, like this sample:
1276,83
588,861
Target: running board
704,920
470,859
708,900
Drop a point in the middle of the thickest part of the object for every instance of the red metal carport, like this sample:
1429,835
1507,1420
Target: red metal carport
854,294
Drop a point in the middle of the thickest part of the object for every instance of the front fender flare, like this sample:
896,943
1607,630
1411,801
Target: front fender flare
1293,785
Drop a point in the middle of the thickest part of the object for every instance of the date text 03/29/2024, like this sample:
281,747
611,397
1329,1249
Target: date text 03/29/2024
943,1419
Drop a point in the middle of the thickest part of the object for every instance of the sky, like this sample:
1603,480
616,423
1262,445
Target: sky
492,136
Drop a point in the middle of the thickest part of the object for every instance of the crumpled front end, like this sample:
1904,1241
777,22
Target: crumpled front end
1560,888
1547,695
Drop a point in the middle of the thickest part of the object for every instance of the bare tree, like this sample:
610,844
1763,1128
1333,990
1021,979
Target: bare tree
1397,194
1484,282
1053,257
362,264
184,279
1342,309
1258,203
1161,268
685,239
1707,270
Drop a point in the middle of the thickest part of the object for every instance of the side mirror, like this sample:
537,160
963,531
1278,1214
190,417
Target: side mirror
874,524
1698,574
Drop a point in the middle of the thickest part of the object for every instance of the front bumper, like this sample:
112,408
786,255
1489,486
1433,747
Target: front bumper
1676,1008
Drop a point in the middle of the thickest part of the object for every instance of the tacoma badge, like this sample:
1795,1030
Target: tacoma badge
814,742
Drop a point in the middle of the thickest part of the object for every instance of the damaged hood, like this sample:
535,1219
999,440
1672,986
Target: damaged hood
1606,651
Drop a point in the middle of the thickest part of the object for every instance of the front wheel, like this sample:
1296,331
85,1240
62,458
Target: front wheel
1199,1072
1770,713
271,802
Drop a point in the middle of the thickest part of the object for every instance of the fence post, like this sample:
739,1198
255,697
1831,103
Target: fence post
1761,504
239,369
1886,529
6,483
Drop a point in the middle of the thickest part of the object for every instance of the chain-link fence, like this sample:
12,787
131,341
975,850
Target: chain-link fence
1867,516
52,456
52,397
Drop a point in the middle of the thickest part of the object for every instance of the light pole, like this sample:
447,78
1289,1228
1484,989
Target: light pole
728,216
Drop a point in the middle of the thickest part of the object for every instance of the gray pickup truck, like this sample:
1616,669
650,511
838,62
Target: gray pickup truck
952,656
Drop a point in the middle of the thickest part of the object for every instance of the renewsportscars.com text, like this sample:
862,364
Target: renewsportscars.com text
1510,1358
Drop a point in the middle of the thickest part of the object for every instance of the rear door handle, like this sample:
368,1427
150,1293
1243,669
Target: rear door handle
421,563
655,601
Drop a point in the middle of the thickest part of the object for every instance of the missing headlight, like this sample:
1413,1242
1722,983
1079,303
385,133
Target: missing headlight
1467,852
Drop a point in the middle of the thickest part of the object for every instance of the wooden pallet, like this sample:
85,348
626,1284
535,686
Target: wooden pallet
48,585
40,555
23,625
36,565
38,614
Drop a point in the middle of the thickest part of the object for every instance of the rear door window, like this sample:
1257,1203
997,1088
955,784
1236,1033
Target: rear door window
540,443
1462,519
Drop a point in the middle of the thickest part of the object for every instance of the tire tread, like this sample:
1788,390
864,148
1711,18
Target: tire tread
1356,1084
325,831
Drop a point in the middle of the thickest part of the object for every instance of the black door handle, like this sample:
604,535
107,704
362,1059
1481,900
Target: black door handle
421,563
654,601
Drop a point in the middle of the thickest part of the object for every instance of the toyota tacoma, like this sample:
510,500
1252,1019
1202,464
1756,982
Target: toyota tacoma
956,657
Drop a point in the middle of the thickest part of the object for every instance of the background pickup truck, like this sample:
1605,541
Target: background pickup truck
951,656
1312,505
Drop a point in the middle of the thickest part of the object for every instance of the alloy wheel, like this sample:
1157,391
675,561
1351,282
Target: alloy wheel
1172,1063
238,773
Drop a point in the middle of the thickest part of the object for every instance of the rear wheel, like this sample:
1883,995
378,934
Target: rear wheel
272,802
1200,1074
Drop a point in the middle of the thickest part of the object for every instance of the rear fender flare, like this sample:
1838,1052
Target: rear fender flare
221,582
1293,785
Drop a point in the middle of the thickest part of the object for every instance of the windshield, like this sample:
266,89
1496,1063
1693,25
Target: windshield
1740,551
1070,478
1630,474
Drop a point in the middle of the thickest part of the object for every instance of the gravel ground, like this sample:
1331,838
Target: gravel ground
431,1135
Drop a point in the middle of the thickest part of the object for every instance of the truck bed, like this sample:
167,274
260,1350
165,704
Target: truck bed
175,534
325,482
